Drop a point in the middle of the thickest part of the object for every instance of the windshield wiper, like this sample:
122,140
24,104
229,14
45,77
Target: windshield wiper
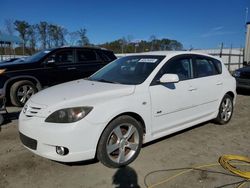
106,81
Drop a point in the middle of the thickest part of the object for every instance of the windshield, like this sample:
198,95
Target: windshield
37,56
130,70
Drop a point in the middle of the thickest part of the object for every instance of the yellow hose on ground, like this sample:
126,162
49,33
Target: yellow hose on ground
224,162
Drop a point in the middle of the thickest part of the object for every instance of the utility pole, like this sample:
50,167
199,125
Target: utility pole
246,19
221,49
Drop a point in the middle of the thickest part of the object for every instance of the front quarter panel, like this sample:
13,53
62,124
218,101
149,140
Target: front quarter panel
138,102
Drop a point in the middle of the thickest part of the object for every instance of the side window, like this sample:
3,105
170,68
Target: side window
218,66
104,57
204,67
180,66
65,56
85,56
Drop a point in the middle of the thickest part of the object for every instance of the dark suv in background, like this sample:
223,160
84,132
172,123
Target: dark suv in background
22,78
242,77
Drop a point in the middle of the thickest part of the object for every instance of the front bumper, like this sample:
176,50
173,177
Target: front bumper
81,138
243,83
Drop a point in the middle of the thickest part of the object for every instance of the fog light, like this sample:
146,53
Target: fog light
61,150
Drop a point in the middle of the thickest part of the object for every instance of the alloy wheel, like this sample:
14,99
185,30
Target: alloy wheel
24,93
226,109
122,143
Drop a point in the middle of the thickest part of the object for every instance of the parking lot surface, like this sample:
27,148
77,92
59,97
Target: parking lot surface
200,145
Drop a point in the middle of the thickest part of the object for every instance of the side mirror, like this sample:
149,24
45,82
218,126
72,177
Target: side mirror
169,78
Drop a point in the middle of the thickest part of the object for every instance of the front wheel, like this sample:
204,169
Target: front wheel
225,110
21,91
120,142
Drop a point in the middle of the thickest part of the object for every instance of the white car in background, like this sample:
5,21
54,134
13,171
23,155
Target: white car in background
132,100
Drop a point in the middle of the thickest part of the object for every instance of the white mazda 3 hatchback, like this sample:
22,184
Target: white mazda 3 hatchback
131,101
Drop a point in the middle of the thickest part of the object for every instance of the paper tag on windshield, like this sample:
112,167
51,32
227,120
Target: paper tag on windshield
147,60
46,51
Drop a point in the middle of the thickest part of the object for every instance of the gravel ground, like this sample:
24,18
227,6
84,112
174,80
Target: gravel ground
200,145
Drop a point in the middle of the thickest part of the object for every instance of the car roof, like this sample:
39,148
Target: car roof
83,47
172,53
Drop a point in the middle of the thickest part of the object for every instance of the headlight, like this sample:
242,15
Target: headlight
236,74
68,115
2,71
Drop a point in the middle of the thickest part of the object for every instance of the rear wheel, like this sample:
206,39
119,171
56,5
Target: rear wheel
21,91
225,110
120,142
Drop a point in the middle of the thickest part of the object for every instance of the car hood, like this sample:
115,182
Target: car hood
17,65
80,91
244,69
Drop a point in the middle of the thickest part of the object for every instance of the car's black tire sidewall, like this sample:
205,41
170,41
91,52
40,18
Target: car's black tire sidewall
1,119
218,119
102,155
14,88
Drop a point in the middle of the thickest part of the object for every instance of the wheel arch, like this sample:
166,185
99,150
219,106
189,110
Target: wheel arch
11,81
231,94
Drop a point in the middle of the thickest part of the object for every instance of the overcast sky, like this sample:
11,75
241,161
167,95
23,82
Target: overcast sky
196,23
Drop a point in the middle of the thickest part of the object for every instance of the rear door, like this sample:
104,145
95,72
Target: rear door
87,62
207,85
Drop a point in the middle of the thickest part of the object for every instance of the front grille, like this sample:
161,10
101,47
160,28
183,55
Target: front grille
27,141
31,111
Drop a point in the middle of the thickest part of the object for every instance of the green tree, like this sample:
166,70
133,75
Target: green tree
84,41
22,27
32,38
42,31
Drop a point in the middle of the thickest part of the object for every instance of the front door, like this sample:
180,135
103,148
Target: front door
60,67
172,102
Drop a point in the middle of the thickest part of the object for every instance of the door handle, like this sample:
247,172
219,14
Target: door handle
219,83
192,89
71,68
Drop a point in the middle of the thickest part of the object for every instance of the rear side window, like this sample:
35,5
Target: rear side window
218,66
106,56
85,56
205,67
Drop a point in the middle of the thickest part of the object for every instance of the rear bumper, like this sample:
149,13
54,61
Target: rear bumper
243,83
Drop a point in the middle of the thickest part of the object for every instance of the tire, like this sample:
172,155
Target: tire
21,91
120,142
225,110
1,119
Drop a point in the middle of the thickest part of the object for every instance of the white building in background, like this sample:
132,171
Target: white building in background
247,45
232,58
